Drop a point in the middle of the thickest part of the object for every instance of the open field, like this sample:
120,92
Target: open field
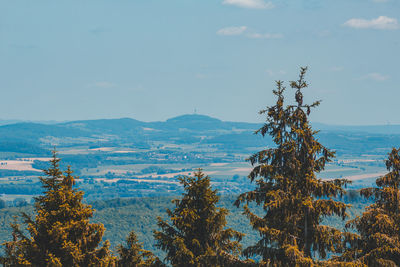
365,176
6,197
17,165
113,160
22,164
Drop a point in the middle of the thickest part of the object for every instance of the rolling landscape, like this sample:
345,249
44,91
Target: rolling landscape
120,159
226,133
127,158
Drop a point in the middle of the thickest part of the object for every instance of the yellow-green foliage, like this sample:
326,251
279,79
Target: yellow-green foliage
196,235
294,200
377,242
134,255
60,234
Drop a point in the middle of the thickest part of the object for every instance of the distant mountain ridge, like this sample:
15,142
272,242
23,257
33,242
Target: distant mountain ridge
183,129
377,129
190,121
191,129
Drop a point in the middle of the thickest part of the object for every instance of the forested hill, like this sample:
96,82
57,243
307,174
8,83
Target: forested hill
195,130
120,216
123,126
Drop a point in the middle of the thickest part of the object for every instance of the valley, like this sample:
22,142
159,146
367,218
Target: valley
129,158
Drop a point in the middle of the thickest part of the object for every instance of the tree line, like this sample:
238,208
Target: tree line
290,228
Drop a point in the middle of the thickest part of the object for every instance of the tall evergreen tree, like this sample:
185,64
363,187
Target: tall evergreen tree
134,255
197,234
294,200
377,241
60,234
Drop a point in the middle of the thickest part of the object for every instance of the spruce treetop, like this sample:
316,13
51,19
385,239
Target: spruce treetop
377,241
294,200
134,255
60,233
197,235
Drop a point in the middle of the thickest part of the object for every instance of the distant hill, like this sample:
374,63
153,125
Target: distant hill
6,122
186,129
114,126
32,132
375,129
119,128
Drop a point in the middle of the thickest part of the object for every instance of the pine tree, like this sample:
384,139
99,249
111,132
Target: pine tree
377,241
134,255
294,200
60,234
197,234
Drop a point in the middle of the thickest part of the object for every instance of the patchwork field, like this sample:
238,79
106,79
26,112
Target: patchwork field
129,158
22,164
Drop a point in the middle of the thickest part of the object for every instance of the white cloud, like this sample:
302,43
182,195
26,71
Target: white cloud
255,4
232,30
376,77
380,23
243,30
257,35
380,1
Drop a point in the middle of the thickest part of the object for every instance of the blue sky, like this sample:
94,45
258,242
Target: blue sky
152,60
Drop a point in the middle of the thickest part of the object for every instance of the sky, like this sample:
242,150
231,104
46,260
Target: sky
153,60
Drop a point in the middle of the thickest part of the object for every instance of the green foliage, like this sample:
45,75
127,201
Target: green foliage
3,204
197,236
13,173
22,147
60,234
294,200
120,216
134,255
377,242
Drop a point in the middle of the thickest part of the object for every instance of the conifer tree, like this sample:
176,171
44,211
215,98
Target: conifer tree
293,198
134,255
377,241
197,234
60,234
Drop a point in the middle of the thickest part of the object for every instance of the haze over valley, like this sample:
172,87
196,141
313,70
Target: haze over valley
126,157
199,133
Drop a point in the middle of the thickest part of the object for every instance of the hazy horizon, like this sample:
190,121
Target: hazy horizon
153,60
117,118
